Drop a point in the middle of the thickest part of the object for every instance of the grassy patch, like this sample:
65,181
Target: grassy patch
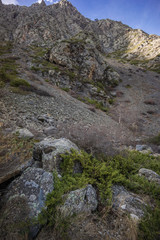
66,89
116,54
95,172
98,105
38,51
128,86
111,100
17,82
102,172
39,61
157,69
155,140
99,85
149,227
71,75
2,84
74,40
13,148
8,71
5,47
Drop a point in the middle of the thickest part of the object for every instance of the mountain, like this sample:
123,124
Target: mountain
66,78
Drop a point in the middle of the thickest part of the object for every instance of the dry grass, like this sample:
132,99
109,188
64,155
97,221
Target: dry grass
13,153
112,225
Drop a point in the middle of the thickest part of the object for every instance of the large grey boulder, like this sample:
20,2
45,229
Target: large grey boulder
150,175
48,152
23,201
80,201
128,202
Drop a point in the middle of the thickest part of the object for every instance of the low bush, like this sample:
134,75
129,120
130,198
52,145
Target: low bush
17,82
155,140
102,172
97,104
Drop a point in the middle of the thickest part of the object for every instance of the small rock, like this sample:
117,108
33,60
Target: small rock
49,131
143,148
24,133
80,201
134,217
156,155
150,175
128,202
51,73
113,94
46,119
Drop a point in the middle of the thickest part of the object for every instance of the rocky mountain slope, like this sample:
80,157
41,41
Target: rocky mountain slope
96,83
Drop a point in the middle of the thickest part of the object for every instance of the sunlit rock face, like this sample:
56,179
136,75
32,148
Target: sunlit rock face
44,24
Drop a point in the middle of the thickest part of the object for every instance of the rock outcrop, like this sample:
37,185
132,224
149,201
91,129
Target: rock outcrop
48,152
23,202
128,202
80,201
150,175
24,133
45,24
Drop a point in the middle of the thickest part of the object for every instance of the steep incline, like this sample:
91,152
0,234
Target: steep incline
56,46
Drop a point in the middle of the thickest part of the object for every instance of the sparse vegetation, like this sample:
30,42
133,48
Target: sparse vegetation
8,71
155,140
17,82
74,40
97,104
2,84
13,148
5,47
66,89
111,100
149,227
128,86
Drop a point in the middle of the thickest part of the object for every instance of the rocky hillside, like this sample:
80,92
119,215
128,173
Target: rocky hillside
45,24
74,93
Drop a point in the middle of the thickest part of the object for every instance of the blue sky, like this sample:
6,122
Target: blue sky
143,14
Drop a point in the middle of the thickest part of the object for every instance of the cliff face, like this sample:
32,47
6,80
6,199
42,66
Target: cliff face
43,24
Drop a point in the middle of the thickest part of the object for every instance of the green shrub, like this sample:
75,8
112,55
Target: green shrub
3,75
19,82
102,172
66,89
2,84
100,85
128,86
98,105
111,100
155,140
94,172
149,227
36,69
